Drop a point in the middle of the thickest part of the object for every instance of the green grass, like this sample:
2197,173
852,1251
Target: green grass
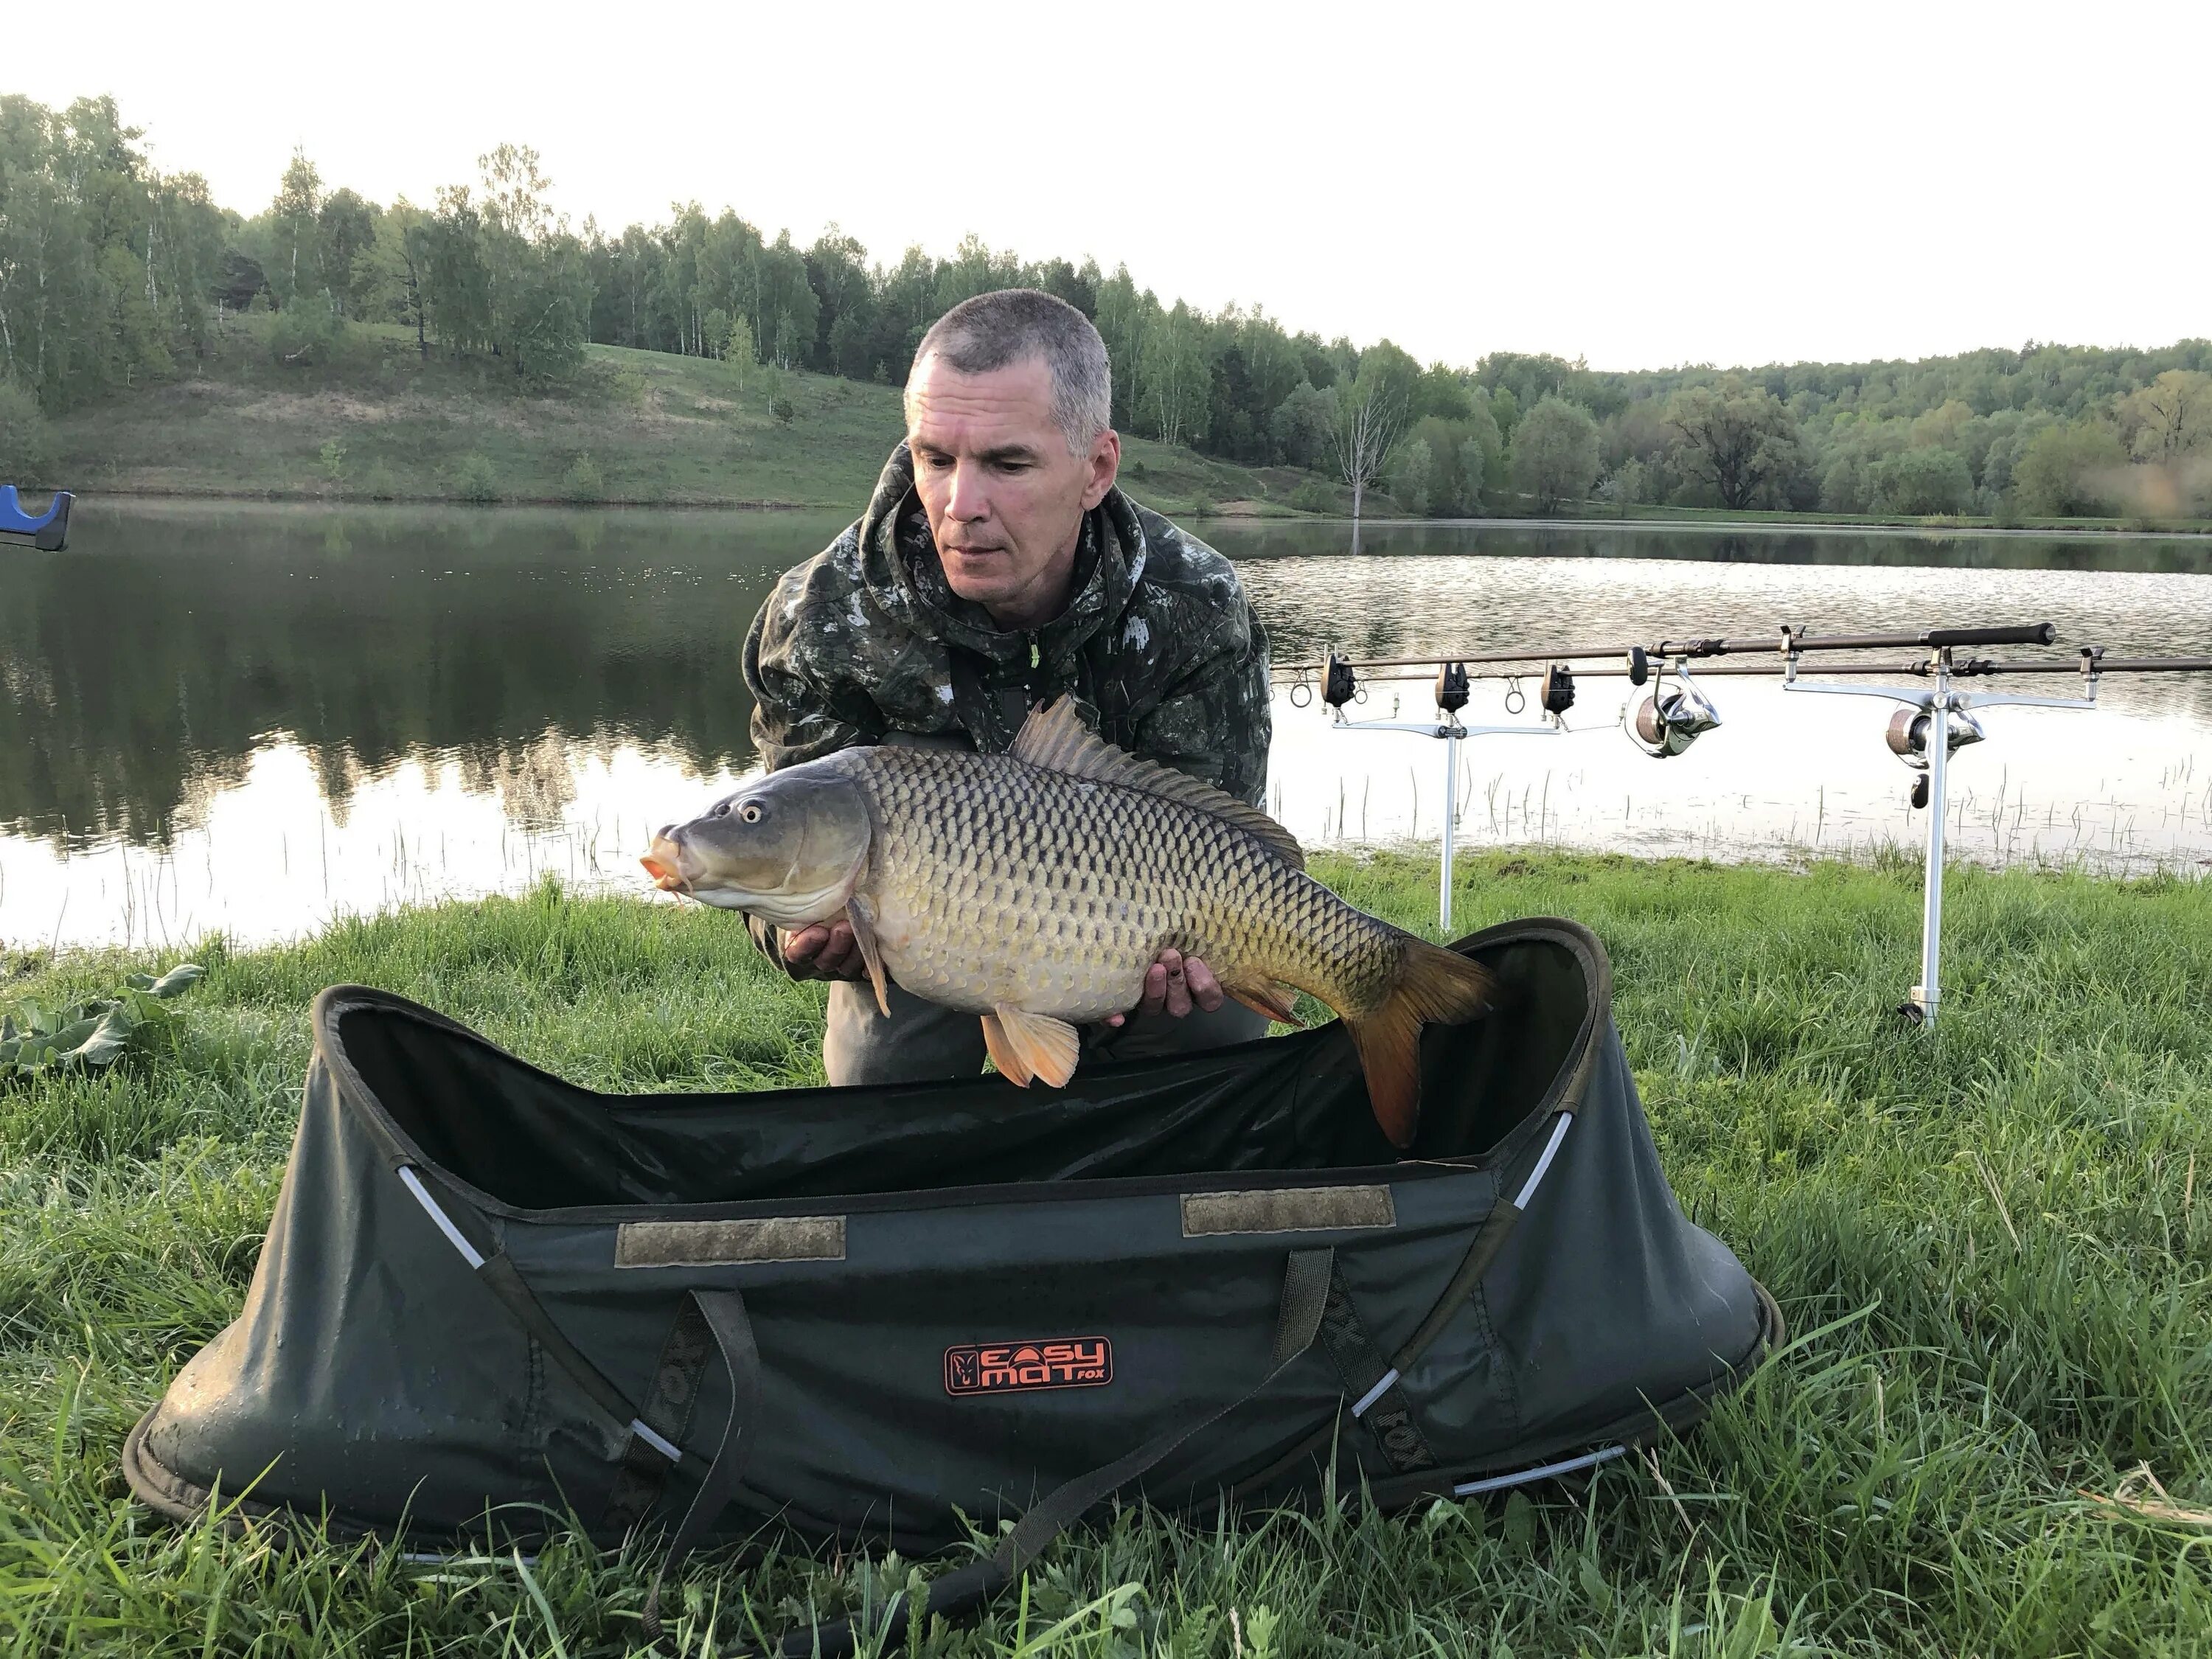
1994,1238
656,429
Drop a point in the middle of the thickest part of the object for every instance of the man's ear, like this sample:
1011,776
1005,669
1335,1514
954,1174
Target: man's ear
1105,467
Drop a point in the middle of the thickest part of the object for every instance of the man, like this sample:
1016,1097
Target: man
996,570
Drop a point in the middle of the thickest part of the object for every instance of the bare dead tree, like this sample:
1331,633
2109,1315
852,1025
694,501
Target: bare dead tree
1367,431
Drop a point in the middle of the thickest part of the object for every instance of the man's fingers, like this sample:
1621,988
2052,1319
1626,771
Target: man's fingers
840,956
1178,997
1174,984
1205,989
823,950
801,945
1156,991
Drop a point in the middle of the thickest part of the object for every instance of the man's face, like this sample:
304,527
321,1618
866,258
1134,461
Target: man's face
1005,500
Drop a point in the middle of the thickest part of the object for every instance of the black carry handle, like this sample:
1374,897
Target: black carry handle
1305,1292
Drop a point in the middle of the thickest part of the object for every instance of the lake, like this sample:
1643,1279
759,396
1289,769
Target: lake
255,718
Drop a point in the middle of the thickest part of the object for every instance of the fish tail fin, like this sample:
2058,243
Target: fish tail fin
1433,985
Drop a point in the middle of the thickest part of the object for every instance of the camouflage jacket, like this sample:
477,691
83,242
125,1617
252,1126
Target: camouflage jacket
866,640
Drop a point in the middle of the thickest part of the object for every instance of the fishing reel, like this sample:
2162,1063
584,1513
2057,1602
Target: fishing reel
1907,737
1672,718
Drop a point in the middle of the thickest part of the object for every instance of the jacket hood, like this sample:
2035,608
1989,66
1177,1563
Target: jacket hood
900,567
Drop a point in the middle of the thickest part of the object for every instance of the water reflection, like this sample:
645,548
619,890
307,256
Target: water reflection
144,671
256,719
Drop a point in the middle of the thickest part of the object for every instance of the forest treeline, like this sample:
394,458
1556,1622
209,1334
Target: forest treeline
112,273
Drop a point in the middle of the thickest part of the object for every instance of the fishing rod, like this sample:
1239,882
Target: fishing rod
1938,716
1972,667
1790,639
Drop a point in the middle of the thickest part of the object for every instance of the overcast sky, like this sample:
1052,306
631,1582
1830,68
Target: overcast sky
1641,185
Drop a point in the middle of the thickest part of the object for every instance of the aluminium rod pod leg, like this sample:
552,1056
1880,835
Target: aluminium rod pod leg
1451,817
1927,994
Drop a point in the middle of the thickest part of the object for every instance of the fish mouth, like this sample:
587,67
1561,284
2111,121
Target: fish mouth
664,862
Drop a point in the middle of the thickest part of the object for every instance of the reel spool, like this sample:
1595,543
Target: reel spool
1668,721
1907,737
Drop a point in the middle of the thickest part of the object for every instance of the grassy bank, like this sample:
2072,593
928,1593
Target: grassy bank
379,422
1995,1238
375,421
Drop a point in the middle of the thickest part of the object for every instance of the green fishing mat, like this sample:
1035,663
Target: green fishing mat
488,1297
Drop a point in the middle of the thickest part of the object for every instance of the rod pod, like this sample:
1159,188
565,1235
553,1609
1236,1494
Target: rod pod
1942,704
1451,695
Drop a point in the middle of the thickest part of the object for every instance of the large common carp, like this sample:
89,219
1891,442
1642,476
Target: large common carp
1035,888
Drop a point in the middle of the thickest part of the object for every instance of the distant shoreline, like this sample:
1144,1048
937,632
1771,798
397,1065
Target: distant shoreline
382,424
1922,530
1780,525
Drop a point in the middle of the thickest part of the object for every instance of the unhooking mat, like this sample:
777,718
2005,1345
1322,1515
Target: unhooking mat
490,1296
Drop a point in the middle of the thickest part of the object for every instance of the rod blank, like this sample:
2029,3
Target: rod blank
1784,640
1976,669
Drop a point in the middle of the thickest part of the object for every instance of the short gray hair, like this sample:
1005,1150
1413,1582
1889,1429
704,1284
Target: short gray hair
1012,325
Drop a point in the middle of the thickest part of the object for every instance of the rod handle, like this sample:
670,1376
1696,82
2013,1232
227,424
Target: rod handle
2030,634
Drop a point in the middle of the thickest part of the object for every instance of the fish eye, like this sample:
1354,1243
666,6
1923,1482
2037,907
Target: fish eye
750,811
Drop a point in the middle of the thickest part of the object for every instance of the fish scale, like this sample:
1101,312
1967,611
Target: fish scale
996,882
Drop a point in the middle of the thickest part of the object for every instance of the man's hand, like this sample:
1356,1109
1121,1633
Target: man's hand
824,950
1174,985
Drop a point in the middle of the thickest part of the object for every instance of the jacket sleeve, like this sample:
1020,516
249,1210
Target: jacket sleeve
795,713
1215,722
793,716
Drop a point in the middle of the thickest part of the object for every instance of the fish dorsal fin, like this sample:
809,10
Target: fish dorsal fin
1056,739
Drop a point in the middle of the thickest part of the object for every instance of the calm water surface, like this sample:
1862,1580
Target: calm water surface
254,719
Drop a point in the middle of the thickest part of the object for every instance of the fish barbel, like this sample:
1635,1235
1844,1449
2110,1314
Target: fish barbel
1035,888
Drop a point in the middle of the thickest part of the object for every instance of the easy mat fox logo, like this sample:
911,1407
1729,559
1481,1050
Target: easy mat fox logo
1071,1362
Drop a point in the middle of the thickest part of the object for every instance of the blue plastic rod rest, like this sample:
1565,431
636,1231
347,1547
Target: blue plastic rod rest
49,529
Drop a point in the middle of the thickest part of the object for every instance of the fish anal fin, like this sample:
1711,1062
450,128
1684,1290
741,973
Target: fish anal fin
1055,738
1003,1053
1047,1049
1431,985
862,920
1266,997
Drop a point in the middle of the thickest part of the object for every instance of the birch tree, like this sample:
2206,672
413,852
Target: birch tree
1175,371
1369,424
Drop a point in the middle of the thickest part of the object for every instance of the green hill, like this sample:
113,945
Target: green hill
377,421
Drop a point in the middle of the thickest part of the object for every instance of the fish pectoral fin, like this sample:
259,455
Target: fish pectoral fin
863,923
1265,997
1004,1054
1041,1046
